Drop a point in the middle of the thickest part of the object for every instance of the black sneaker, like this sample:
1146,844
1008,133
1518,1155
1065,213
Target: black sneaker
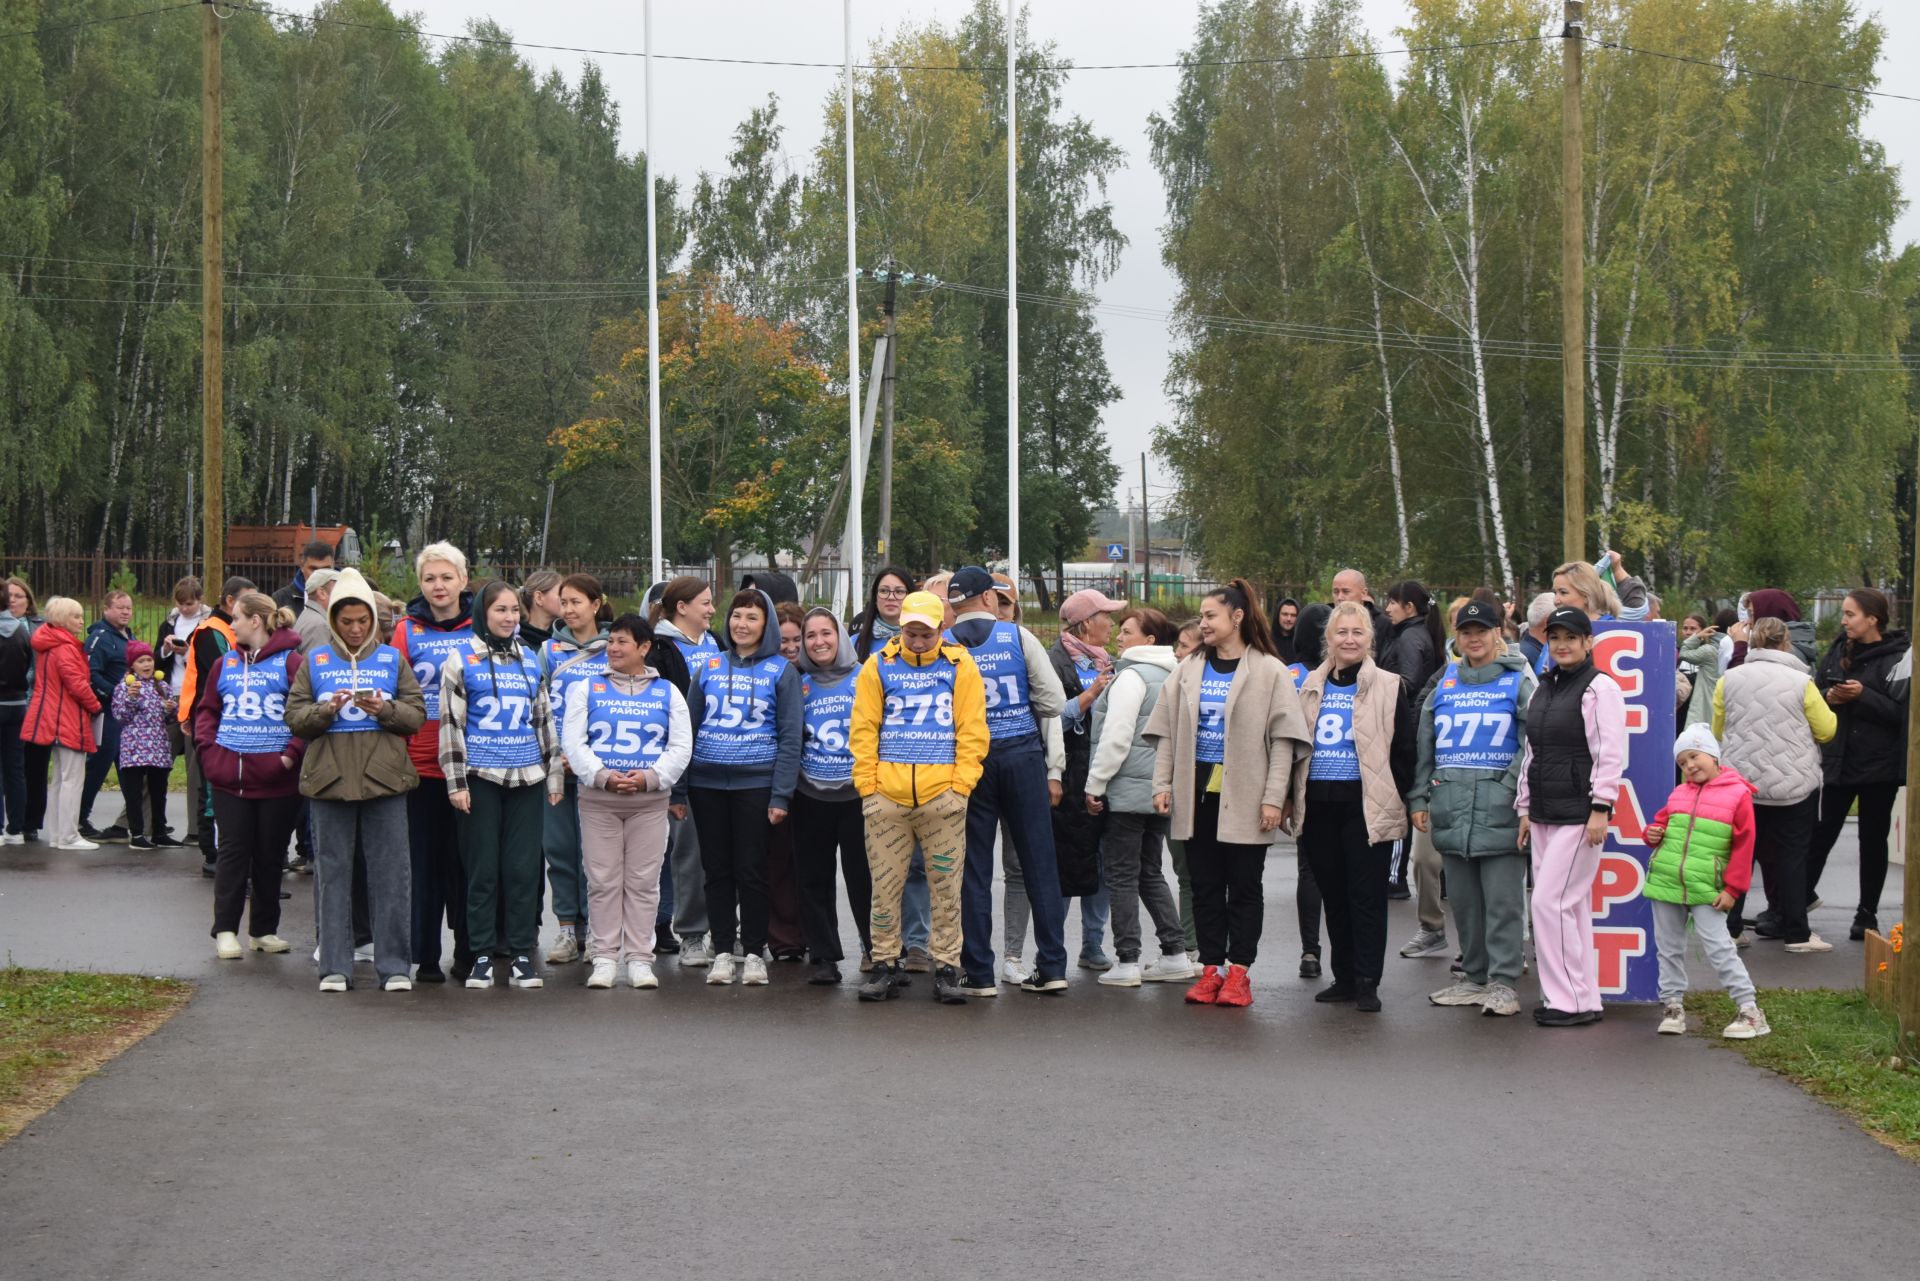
165,841
1366,1000
88,832
1046,984
825,974
523,974
1547,1016
665,941
1862,922
296,864
115,833
430,972
1309,965
207,868
481,975
139,843
946,986
459,970
1399,891
1338,994
883,984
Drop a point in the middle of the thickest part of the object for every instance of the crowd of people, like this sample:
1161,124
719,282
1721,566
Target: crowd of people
705,785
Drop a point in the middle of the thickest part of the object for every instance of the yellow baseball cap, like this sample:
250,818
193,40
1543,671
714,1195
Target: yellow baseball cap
923,607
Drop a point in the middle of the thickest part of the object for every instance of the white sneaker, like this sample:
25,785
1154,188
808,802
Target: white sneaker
696,952
271,943
12,838
603,972
1124,974
1014,970
1460,994
397,983
226,946
78,843
1749,1023
722,969
1673,1020
755,974
640,975
363,955
1426,943
316,954
565,948
1814,943
334,983
1169,969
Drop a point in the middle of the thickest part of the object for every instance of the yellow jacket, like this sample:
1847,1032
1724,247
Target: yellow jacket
915,785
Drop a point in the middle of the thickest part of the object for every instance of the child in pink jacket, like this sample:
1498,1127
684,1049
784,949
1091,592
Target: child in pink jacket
1569,780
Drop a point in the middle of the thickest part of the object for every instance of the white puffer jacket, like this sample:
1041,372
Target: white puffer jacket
1766,733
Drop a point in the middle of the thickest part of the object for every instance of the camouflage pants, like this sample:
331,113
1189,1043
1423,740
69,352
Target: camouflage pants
940,826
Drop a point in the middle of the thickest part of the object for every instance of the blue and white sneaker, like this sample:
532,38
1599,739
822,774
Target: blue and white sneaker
523,973
482,975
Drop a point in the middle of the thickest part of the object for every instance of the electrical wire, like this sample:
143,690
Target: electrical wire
53,27
1735,69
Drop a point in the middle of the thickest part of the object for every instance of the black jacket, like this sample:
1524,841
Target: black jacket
1076,833
1409,654
1871,744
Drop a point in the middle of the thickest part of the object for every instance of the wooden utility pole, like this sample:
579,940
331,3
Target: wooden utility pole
213,519
1573,290
1906,977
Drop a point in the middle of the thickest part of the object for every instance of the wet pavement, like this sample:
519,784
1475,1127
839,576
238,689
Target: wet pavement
791,1131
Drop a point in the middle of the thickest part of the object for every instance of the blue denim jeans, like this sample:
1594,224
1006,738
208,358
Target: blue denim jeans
1013,784
916,905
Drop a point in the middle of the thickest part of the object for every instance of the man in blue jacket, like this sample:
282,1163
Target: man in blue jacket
107,662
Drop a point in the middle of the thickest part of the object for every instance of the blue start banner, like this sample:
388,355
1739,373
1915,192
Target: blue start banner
1641,659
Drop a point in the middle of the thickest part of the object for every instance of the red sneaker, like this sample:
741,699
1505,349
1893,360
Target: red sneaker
1207,990
1238,988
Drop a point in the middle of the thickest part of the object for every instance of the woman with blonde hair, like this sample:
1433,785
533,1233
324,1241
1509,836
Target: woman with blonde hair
60,716
252,761
1347,802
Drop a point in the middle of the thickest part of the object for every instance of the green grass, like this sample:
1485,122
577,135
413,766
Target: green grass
57,1028
1839,1049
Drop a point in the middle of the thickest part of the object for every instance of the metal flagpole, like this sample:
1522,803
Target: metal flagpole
854,553
1013,321
653,327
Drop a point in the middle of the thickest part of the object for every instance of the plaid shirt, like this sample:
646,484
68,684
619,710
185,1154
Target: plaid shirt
453,737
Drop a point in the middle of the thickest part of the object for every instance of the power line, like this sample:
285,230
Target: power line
1736,69
51,28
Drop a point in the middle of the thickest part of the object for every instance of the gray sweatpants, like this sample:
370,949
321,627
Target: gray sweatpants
1427,865
380,827
1710,927
1131,846
1489,898
689,878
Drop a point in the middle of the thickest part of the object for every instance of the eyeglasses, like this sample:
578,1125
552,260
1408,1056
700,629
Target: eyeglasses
892,591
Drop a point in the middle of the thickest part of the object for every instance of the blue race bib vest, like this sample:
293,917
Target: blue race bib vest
1334,757
916,718
566,668
628,731
429,651
329,672
1299,672
697,651
1002,661
1474,725
253,705
825,756
737,723
1210,732
499,728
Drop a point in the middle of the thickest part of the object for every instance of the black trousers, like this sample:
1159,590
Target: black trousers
1352,875
1229,904
733,852
144,788
439,877
1306,905
820,828
252,853
1782,836
39,763
1876,820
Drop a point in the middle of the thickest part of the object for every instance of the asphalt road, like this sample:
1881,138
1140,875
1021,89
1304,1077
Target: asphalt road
791,1132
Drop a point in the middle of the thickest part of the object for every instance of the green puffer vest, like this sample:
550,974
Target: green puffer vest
1691,864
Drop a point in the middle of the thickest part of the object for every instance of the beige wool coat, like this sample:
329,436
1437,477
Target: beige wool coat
1266,737
1374,704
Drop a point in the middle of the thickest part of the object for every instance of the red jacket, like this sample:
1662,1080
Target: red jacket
61,709
257,775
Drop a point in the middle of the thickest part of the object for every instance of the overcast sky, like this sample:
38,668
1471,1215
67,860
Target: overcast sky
689,139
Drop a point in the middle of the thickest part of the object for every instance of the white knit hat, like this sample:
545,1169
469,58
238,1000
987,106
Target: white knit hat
1696,738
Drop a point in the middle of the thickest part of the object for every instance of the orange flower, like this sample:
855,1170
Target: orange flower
1883,967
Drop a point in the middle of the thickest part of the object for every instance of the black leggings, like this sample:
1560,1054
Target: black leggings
820,828
1352,876
1229,903
1876,820
733,851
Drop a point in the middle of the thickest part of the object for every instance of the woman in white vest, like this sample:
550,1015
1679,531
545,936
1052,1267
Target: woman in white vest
628,739
1120,785
499,752
1347,802
1771,719
1228,735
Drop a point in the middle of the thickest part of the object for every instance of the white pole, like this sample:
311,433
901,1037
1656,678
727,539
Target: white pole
1013,319
854,551
653,327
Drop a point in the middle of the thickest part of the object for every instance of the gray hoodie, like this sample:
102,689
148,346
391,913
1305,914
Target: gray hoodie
783,775
845,663
15,633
